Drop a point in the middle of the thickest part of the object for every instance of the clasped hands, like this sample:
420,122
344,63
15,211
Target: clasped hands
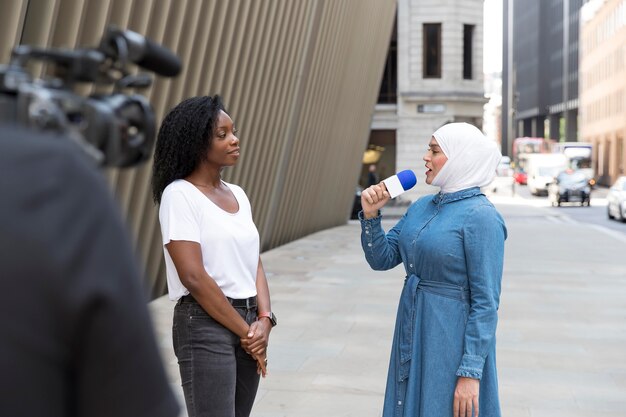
256,344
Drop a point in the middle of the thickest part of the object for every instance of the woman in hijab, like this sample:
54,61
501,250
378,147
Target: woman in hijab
451,244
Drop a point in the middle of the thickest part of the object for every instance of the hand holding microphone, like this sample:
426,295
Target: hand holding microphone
376,196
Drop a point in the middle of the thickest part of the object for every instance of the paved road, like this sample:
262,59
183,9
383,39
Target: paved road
561,335
596,214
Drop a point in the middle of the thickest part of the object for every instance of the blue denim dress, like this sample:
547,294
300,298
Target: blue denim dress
452,248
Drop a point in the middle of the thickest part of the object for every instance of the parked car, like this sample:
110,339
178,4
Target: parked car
504,177
504,167
570,187
616,199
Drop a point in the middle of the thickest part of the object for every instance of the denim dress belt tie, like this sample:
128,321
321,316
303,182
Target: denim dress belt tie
407,312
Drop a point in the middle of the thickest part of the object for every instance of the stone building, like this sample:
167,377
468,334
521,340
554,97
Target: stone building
434,75
603,86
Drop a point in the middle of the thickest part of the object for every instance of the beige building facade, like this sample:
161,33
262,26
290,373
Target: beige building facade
300,78
603,86
439,78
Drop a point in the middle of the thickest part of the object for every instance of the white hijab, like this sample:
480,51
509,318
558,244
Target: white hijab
472,157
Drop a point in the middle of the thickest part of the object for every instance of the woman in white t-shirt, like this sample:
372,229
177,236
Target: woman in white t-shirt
222,317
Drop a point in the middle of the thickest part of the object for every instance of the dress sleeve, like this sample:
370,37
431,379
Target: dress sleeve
484,233
178,218
381,250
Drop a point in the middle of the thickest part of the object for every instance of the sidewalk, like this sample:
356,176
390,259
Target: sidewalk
561,335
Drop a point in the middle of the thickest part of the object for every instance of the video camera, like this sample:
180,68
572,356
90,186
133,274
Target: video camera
115,129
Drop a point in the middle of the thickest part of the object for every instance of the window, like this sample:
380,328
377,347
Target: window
432,50
389,85
468,40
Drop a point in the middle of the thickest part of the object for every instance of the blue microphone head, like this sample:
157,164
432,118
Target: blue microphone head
407,179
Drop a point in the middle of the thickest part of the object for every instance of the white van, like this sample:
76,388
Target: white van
579,155
542,168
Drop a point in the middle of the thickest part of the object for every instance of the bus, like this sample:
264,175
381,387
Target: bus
522,147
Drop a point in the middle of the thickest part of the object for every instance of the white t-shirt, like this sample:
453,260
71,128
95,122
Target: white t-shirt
229,242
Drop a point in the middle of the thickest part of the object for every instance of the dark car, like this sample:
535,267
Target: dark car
616,199
570,187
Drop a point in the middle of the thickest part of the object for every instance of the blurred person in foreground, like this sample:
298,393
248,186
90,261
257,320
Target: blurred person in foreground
77,339
452,247
222,318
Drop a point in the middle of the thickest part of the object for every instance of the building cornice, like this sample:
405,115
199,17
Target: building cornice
414,96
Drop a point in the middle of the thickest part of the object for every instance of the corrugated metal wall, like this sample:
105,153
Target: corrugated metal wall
299,77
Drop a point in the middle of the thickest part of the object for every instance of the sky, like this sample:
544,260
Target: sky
492,36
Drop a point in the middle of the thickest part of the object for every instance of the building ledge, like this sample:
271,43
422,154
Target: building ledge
385,117
386,108
414,96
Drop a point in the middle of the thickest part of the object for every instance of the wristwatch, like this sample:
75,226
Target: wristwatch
270,316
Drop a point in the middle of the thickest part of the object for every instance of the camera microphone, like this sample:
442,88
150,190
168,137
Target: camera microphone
141,51
159,59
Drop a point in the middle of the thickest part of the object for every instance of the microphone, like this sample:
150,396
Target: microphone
159,59
140,50
401,182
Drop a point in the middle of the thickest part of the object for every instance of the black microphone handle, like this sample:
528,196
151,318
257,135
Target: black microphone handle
159,59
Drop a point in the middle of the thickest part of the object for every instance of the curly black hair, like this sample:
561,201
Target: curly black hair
184,138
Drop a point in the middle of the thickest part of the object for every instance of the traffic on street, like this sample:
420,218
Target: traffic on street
595,214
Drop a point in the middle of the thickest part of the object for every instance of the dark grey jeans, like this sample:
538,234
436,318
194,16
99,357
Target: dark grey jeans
219,378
